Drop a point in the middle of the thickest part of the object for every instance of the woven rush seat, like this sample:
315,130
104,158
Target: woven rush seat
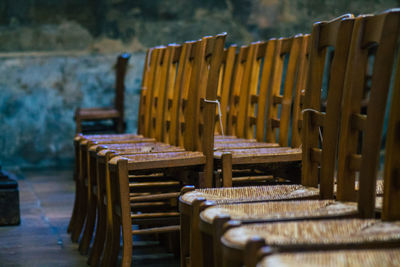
98,113
233,140
111,136
162,160
132,145
147,147
219,137
280,210
251,193
259,155
311,234
355,258
241,145
122,140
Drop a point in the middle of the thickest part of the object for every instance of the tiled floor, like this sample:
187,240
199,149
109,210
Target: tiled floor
46,199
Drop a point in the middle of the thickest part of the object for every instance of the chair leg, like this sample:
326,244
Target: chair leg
218,231
74,215
126,221
196,256
99,237
78,122
226,161
107,246
226,262
114,245
81,214
77,200
89,226
208,250
127,248
251,250
120,127
185,238
110,219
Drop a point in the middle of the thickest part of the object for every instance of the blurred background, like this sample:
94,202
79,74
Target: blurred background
58,55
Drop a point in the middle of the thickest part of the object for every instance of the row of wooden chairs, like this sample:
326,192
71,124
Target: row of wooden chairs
339,205
92,152
130,179
144,159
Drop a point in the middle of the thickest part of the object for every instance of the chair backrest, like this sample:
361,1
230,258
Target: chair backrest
260,89
158,88
368,78
161,84
166,92
283,111
181,92
249,87
201,105
224,88
319,146
120,72
236,89
143,92
153,72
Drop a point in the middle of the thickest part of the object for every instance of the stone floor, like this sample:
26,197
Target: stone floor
46,199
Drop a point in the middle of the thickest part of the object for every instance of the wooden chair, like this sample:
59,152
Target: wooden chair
116,113
122,149
160,97
170,59
206,57
77,220
98,153
374,40
170,112
81,143
191,203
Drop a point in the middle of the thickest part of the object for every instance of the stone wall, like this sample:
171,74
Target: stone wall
58,55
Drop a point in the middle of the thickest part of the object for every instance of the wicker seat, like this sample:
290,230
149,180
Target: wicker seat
250,193
355,258
310,235
279,210
240,144
254,155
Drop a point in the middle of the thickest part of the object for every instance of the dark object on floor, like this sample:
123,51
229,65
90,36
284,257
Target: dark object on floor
9,200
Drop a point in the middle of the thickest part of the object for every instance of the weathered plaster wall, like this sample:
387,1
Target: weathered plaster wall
100,25
78,41
38,96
